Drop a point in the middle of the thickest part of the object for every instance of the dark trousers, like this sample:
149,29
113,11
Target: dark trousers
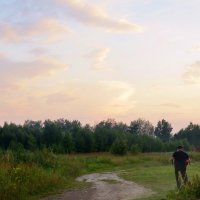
180,173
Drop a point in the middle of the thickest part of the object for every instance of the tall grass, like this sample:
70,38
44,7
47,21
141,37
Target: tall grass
195,156
28,174
24,174
190,191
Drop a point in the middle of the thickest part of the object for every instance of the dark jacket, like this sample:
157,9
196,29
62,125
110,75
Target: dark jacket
180,158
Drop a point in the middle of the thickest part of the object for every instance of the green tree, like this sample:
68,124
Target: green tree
35,131
52,134
135,148
67,143
191,133
119,146
163,130
141,127
8,134
105,132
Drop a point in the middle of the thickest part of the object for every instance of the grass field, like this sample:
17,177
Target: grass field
160,179
33,175
153,170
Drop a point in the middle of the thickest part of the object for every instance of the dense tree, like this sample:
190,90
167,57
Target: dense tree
35,130
67,143
52,134
119,146
105,133
163,130
141,127
64,136
191,133
88,138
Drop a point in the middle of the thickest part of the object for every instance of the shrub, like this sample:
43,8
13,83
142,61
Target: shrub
119,147
24,174
135,148
11,184
191,191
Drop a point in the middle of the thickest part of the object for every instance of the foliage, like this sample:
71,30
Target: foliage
141,127
119,147
163,130
63,136
191,191
25,174
135,148
191,133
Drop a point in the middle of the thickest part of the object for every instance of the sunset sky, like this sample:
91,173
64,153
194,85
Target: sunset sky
92,60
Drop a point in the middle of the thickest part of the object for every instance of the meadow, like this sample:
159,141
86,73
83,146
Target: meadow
32,175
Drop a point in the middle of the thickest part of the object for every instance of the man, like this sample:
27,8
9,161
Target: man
180,159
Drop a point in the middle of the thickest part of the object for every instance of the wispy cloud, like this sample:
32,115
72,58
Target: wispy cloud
96,16
114,98
192,73
38,51
2,55
170,105
122,96
13,72
49,30
98,57
60,97
196,48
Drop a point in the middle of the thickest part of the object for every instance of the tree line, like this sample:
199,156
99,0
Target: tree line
64,136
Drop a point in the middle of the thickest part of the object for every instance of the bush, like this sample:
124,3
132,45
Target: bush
27,174
191,191
135,148
119,147
11,184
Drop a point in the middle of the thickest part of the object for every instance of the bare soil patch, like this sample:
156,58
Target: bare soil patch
106,186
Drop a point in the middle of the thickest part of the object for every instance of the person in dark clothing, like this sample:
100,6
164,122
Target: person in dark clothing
180,159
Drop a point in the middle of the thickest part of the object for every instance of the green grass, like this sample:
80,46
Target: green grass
37,174
190,191
153,171
32,175
160,179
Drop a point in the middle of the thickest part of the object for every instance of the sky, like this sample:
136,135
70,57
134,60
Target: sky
90,60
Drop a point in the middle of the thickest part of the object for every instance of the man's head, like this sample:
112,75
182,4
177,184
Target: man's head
180,147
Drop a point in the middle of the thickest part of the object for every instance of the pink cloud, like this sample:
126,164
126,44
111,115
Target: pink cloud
192,73
13,72
49,29
96,16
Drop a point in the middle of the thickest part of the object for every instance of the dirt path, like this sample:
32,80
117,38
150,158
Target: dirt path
106,186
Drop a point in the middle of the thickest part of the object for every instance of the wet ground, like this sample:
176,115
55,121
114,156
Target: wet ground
106,186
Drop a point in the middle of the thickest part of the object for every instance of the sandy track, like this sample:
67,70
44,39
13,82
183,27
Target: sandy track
106,186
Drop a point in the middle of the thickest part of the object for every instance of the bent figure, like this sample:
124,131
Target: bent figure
180,159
